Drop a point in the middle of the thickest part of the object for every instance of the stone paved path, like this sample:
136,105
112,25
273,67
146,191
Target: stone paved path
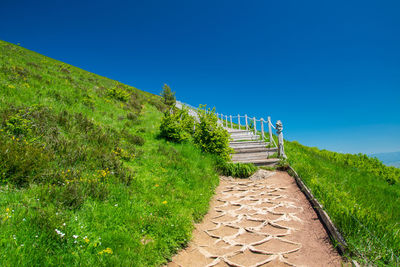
262,221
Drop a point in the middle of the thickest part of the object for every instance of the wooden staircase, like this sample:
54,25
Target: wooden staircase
250,148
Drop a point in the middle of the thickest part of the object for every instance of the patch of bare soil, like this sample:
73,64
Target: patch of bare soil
261,221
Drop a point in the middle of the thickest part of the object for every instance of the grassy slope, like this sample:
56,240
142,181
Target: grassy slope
128,207
355,189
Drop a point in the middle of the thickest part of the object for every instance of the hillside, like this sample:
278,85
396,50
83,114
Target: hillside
361,195
84,178
389,159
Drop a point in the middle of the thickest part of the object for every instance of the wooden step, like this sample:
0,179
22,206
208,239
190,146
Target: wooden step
248,144
240,131
248,137
252,156
260,162
254,149
234,131
242,135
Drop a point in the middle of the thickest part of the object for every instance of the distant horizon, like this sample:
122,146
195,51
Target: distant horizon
330,71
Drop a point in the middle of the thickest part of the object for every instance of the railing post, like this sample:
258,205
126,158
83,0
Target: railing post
255,127
262,128
231,122
270,130
226,121
247,125
279,129
239,120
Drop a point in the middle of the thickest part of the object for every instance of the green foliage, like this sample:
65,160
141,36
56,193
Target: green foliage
118,93
176,126
168,96
21,162
211,137
361,195
18,126
282,165
239,170
84,180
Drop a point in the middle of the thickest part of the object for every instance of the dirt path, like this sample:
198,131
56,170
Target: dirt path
262,221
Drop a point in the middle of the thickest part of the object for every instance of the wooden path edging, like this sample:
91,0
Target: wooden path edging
330,228
322,215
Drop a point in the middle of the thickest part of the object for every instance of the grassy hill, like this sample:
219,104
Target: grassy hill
84,179
389,159
361,195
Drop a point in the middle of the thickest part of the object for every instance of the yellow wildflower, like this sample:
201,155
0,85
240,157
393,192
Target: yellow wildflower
86,240
7,210
164,202
157,185
107,250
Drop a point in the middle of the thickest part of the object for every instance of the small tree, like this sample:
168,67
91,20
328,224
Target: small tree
177,126
168,95
209,136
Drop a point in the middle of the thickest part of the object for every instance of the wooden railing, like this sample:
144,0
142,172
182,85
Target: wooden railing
244,122
250,124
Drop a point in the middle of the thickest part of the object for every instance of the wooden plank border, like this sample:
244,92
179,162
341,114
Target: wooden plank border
330,228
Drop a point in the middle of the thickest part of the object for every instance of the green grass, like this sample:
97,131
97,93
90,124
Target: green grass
361,195
237,170
84,178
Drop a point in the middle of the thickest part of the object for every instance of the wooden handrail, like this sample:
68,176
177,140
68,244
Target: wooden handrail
223,120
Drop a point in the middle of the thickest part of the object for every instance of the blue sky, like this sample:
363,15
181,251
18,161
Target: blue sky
330,70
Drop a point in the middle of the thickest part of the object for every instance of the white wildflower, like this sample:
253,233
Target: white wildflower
60,233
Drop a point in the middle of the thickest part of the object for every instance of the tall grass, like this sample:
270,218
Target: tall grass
361,195
84,180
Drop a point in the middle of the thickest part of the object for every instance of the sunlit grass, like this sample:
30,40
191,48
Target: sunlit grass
113,193
360,197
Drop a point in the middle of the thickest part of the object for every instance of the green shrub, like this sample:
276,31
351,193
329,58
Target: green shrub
283,165
176,126
209,136
136,140
239,170
89,101
132,116
135,102
158,103
18,126
118,94
21,162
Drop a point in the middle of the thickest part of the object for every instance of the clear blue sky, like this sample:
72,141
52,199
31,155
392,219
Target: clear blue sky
330,70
